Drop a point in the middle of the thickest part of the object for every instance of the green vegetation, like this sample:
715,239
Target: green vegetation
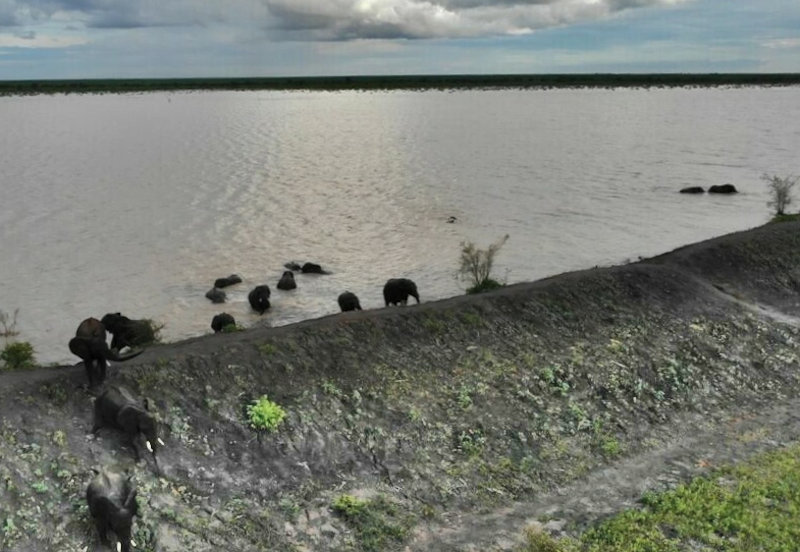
780,192
752,506
377,523
18,355
407,82
476,265
232,328
265,414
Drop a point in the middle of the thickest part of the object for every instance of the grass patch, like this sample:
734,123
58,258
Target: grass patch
265,414
751,506
377,523
786,218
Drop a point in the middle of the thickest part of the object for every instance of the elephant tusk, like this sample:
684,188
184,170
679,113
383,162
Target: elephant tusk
133,543
149,446
160,442
119,546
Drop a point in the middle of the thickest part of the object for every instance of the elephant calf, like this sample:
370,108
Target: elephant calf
397,290
116,407
259,298
127,332
216,295
348,301
112,504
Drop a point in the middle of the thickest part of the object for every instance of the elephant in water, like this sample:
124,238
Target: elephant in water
229,281
222,321
216,295
348,301
287,281
397,290
259,298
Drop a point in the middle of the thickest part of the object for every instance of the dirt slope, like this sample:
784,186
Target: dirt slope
459,420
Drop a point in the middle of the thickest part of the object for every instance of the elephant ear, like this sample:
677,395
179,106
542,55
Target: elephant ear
78,347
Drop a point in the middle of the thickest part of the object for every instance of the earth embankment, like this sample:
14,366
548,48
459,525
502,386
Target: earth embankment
435,416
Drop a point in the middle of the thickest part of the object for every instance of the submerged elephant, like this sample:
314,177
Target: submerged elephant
216,295
259,298
723,189
222,321
229,281
313,268
112,504
127,332
397,290
287,281
348,301
117,408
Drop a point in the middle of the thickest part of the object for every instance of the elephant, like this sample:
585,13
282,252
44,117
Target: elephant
348,301
222,321
216,295
95,354
397,290
127,332
116,407
723,189
287,282
693,190
91,327
229,281
112,503
259,298
312,268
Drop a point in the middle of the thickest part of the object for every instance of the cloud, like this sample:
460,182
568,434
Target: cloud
326,19
29,39
385,19
782,43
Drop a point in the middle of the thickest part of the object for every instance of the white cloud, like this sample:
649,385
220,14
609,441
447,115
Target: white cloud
782,43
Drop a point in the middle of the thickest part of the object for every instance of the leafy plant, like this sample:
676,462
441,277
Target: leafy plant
265,414
476,265
18,356
377,523
780,190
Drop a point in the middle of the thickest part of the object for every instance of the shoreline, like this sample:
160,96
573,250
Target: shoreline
399,82
455,411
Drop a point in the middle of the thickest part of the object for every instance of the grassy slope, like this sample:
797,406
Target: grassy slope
458,406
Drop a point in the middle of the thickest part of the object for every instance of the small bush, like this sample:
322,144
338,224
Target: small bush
780,190
18,356
265,414
349,506
476,265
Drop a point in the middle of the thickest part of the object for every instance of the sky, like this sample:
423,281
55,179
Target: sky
63,39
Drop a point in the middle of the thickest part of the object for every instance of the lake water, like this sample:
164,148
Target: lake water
137,203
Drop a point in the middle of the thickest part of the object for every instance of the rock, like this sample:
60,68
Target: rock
693,190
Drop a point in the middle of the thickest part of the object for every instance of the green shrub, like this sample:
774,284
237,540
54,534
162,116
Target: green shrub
349,506
476,265
265,414
18,356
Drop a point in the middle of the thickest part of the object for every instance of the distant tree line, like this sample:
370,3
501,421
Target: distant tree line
421,82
